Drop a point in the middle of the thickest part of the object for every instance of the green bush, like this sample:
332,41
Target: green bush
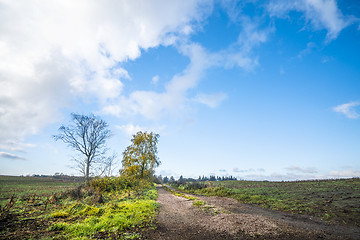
118,184
193,186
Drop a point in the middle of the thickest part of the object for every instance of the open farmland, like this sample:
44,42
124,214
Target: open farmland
23,187
335,201
124,208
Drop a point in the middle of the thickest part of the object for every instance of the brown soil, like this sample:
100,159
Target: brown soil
224,218
11,227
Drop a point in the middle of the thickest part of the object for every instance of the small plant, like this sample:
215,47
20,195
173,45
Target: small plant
199,203
58,226
60,214
189,197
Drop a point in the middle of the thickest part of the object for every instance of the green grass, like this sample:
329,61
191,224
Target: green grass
111,218
331,200
122,214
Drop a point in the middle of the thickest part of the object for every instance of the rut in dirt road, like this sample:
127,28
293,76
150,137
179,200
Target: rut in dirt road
179,219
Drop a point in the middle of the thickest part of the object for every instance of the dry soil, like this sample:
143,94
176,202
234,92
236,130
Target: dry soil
224,218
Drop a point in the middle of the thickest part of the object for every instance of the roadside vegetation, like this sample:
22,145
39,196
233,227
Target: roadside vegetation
331,200
114,207
96,208
117,208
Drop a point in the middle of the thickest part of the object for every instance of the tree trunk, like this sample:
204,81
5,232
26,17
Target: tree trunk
87,170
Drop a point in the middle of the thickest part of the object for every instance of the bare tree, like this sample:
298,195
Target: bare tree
107,165
87,135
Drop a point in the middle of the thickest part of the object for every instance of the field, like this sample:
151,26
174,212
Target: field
47,208
41,187
336,201
122,208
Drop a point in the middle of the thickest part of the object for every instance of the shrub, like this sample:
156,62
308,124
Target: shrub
194,186
109,184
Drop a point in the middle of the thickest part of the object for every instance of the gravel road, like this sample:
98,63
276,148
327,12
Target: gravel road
224,218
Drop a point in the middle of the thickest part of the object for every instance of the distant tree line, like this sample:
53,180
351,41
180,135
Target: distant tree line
200,179
58,176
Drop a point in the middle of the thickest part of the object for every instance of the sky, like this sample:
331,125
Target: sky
259,90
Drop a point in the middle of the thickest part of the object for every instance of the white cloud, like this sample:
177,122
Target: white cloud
10,156
348,109
302,170
29,101
153,105
240,54
15,146
211,100
309,47
155,79
52,51
249,170
327,59
323,14
130,129
344,174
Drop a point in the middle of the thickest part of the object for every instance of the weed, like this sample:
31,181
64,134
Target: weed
58,226
199,203
60,214
189,197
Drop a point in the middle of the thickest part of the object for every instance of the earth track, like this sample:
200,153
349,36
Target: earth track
224,218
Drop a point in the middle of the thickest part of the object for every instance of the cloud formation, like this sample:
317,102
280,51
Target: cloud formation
51,52
322,14
10,156
249,170
348,109
130,129
302,170
345,173
211,100
155,79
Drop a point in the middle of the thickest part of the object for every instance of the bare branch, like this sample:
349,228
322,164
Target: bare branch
87,135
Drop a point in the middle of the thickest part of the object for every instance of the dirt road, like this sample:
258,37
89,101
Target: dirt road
224,218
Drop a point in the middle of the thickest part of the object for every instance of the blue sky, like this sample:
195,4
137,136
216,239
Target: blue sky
253,89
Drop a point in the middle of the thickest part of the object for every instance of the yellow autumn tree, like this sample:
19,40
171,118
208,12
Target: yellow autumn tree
140,158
